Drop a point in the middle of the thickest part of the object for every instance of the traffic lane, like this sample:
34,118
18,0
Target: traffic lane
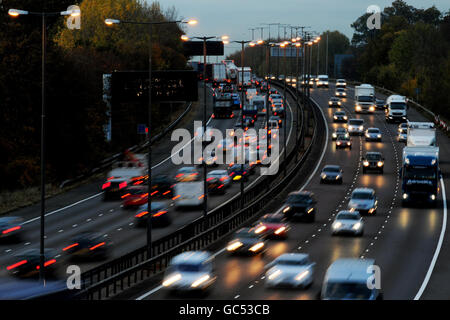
119,227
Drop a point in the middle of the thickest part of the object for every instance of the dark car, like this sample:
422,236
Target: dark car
380,104
343,141
160,215
87,246
162,186
113,188
334,102
340,116
135,196
339,131
27,263
10,228
277,119
236,172
373,161
331,174
216,186
246,241
300,204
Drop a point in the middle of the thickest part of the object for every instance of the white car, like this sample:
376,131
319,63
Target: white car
356,126
293,270
190,271
373,134
349,222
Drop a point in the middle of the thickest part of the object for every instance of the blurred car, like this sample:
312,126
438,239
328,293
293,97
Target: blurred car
162,186
190,271
380,104
341,83
348,222
187,174
215,186
278,119
236,172
246,241
339,131
87,246
356,126
11,228
278,110
273,226
290,270
363,200
26,264
347,279
373,134
402,137
275,96
160,214
222,175
403,127
210,160
235,101
340,92
340,116
331,174
334,102
343,141
373,161
135,196
301,205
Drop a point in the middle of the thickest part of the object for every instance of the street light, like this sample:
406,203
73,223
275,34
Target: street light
15,13
111,22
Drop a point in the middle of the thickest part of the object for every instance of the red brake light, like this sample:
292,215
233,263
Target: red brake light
46,264
126,195
106,185
11,229
160,213
97,245
18,264
141,214
70,247
122,185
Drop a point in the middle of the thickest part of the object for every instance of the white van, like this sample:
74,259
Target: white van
189,194
348,279
396,109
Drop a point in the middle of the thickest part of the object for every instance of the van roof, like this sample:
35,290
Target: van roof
349,269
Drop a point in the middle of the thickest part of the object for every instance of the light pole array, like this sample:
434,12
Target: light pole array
16,13
150,24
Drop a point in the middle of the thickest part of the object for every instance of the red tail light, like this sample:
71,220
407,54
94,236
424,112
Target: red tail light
11,229
176,197
15,265
46,264
201,197
122,185
70,247
166,193
179,175
141,214
110,178
97,245
154,192
160,213
106,185
209,179
138,183
126,195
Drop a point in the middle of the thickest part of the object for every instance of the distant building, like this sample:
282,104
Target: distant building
338,62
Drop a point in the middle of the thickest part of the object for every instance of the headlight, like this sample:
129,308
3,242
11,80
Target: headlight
286,209
335,117
358,108
338,143
366,163
257,246
433,197
324,176
200,280
361,128
338,177
274,274
339,103
260,229
345,117
372,108
371,210
280,230
356,226
405,196
235,245
330,103
367,135
171,280
310,210
334,135
302,275
379,136
380,163
337,225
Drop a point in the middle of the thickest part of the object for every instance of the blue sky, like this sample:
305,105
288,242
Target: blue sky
235,17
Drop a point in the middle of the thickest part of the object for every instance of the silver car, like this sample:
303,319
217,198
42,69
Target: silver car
373,134
292,270
222,175
364,201
348,222
356,126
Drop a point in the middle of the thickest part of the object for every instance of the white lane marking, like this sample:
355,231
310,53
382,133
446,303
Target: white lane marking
438,247
145,295
324,149
64,208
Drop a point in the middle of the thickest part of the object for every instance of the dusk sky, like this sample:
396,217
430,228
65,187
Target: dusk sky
235,17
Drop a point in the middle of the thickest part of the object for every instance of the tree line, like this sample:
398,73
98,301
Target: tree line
75,63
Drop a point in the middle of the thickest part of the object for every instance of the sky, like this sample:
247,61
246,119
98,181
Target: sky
235,17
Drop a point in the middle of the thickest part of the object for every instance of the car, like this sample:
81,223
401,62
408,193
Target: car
246,241
11,228
26,264
162,186
187,174
339,131
235,101
210,160
135,196
160,215
278,110
373,134
380,104
340,92
348,222
215,186
239,171
334,102
274,124
402,137
190,272
290,270
373,161
340,116
403,127
331,174
273,226
356,126
343,141
278,119
87,245
364,201
341,83
322,81
347,279
222,175
300,205
275,96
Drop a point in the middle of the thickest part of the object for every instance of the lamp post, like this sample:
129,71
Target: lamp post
243,42
284,45
15,13
150,24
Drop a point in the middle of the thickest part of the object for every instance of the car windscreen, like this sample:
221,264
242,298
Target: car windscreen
188,267
373,131
340,113
347,290
347,216
397,106
356,122
298,198
362,195
373,157
290,262
273,219
420,172
331,169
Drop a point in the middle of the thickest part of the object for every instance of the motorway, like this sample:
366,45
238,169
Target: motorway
83,208
405,242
